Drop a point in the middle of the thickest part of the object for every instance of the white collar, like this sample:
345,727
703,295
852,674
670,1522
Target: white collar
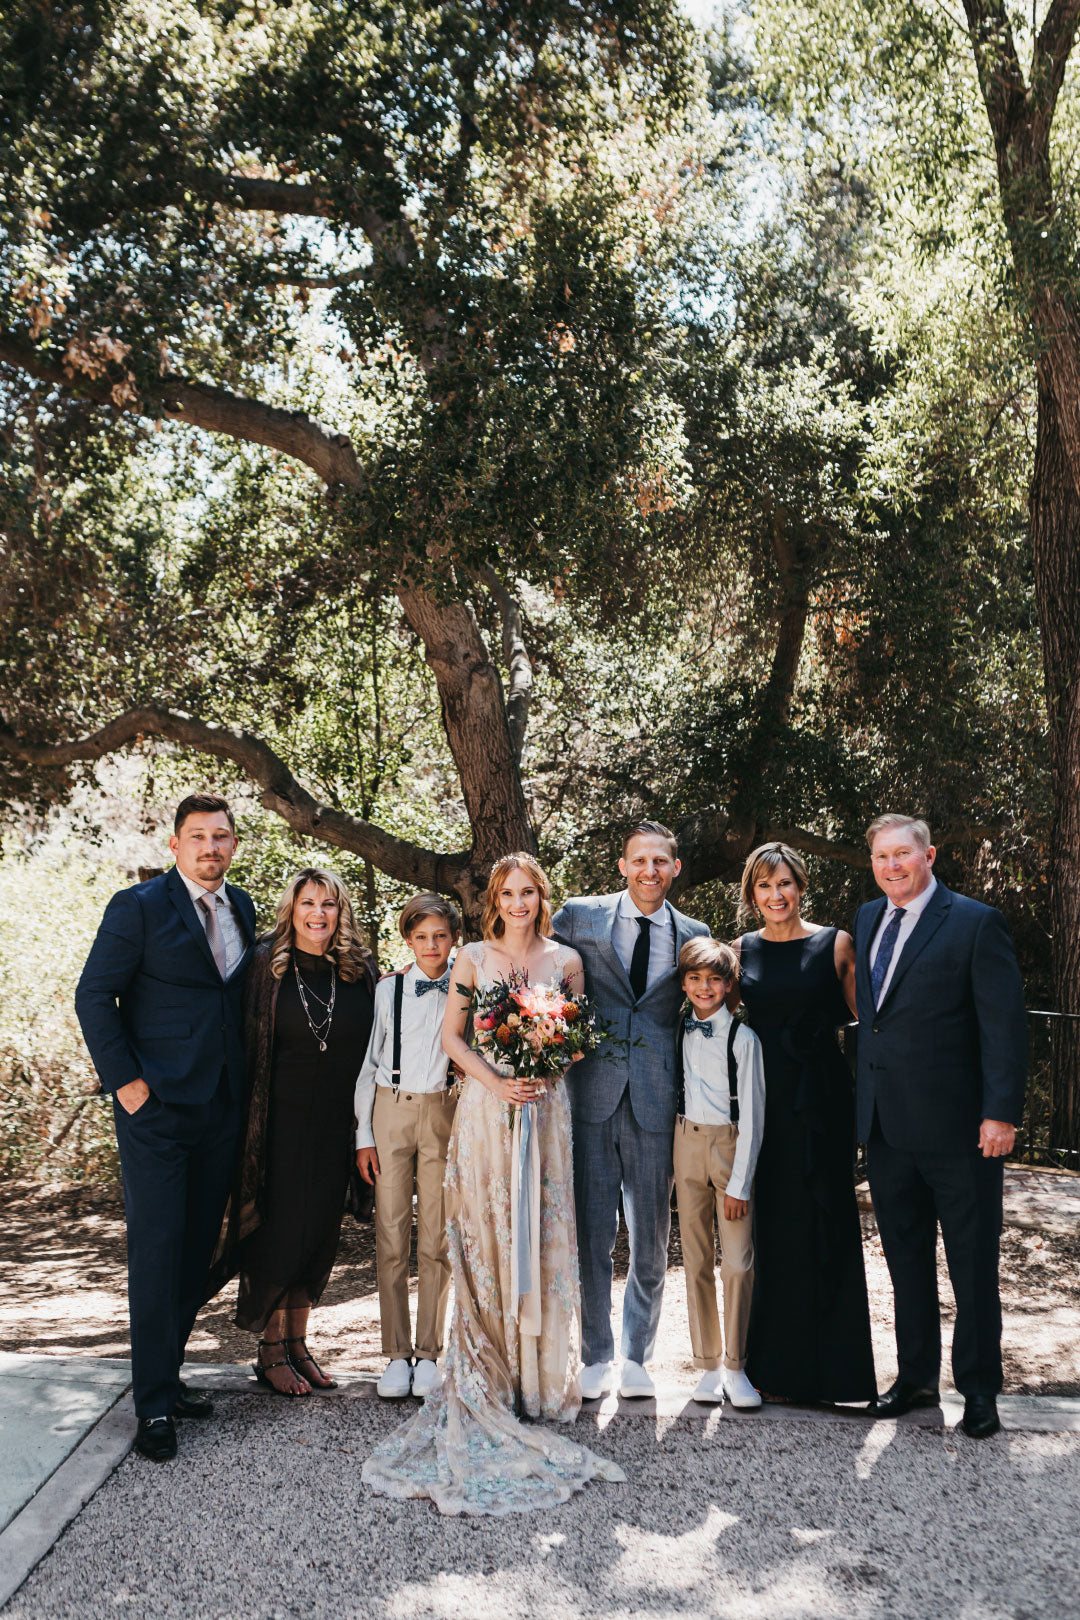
916,907
629,908
721,1017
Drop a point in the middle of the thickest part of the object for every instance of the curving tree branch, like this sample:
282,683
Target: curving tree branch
260,195
280,791
216,410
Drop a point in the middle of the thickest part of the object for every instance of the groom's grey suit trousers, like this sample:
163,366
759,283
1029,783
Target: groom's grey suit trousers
623,1104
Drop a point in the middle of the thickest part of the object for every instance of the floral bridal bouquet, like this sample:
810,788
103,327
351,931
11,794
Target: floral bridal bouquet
532,1032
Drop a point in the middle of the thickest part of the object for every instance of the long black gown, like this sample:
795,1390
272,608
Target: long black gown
809,1337
309,1144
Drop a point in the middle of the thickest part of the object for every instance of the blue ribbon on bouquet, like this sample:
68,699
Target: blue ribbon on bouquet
525,1221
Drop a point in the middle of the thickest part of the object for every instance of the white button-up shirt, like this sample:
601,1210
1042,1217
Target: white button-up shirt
625,935
913,910
423,1061
708,1094
231,933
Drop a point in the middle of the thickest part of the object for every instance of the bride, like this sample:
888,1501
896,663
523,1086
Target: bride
510,1347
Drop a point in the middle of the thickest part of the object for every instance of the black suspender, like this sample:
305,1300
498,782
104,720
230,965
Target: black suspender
399,993
732,1070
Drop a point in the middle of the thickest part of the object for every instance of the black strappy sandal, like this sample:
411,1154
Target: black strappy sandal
261,1368
307,1356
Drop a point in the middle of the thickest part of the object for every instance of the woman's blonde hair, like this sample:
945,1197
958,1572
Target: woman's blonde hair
492,923
766,858
346,949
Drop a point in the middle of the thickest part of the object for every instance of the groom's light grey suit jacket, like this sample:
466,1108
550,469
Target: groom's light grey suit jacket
648,1026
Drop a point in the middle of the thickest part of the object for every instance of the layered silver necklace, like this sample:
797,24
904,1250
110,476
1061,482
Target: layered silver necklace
319,1027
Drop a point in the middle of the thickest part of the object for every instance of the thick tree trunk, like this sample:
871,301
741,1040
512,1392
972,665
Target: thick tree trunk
474,717
1055,537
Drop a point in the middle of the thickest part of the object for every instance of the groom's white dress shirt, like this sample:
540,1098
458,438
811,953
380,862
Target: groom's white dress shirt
913,910
228,921
625,934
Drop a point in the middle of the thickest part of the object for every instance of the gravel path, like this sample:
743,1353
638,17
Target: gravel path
263,1517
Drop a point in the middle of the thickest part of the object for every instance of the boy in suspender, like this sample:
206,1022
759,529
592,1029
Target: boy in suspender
718,1130
404,1113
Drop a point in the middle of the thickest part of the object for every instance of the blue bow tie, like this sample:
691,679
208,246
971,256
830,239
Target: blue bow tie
690,1023
424,985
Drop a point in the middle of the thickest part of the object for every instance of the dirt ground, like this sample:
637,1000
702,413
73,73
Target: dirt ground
62,1292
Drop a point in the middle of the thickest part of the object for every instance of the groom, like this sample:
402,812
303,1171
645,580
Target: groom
623,1102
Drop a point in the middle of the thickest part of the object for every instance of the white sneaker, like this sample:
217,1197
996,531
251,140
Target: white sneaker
635,1383
395,1381
740,1391
425,1379
711,1387
597,1380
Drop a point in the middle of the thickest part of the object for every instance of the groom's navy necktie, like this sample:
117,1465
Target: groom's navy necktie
885,953
639,962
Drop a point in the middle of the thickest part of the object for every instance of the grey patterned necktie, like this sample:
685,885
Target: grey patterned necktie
209,903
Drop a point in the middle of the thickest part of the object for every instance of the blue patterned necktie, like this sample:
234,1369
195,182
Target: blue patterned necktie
690,1023
424,985
885,953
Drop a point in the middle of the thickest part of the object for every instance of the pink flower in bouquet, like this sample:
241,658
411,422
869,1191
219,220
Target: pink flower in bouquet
488,1021
547,1027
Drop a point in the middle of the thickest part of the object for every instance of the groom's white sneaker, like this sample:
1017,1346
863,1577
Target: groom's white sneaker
395,1381
597,1380
426,1378
635,1383
711,1387
740,1391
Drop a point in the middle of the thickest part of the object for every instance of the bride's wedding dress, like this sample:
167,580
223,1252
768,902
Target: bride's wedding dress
466,1449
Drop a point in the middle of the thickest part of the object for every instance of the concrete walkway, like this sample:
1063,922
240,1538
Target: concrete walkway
787,1514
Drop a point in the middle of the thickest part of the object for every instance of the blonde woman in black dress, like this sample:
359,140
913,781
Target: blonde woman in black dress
309,1006
809,1338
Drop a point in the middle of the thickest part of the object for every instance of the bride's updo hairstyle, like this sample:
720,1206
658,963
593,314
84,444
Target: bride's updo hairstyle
761,862
346,949
492,924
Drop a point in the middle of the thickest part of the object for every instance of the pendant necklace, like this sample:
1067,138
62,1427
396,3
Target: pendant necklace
319,1028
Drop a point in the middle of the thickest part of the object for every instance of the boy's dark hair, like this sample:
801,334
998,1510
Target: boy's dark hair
202,804
710,955
651,829
428,905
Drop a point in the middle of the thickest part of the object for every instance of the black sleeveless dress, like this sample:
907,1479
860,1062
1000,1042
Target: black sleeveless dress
809,1336
309,1145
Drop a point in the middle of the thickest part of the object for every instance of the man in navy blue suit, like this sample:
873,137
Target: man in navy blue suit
160,1002
941,1073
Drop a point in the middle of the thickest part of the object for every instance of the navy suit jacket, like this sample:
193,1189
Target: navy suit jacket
947,1048
151,1002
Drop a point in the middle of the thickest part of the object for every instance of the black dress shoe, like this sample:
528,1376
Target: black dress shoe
980,1419
903,1397
192,1403
156,1438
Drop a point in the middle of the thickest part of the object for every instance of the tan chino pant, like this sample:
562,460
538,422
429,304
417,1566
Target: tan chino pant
412,1132
704,1155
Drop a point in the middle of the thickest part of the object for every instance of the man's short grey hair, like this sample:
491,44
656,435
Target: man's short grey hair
918,828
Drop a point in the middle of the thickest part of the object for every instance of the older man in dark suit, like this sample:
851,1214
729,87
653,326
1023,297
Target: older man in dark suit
160,1002
942,1068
